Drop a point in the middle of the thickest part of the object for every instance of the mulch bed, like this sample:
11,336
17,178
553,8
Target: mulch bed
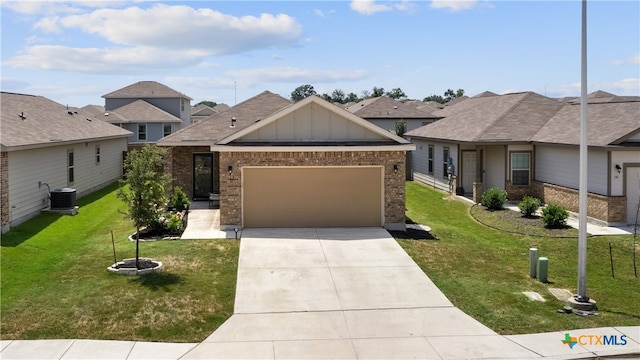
514,222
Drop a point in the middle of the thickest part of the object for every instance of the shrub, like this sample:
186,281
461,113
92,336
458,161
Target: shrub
494,198
174,224
179,200
555,216
529,205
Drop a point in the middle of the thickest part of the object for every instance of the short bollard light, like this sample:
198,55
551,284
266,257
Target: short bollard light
543,269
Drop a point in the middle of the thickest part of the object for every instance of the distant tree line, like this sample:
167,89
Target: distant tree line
338,96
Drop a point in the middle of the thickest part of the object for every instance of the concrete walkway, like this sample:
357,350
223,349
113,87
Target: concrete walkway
338,294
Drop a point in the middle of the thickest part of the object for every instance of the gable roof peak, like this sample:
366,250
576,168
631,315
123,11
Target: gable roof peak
145,89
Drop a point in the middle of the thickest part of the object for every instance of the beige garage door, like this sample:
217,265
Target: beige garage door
308,197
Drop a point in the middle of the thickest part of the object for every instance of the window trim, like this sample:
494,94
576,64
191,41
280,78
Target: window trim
164,125
97,153
512,169
142,132
71,166
446,155
430,158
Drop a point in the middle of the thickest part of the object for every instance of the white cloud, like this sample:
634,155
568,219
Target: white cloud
183,27
632,60
97,60
52,7
406,6
296,75
453,5
159,37
368,7
629,86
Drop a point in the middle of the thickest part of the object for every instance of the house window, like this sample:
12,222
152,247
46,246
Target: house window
182,104
97,154
520,168
430,159
445,162
166,130
70,167
142,131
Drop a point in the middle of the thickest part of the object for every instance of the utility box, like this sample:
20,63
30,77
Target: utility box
63,199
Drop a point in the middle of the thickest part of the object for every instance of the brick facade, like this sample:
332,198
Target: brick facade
517,192
230,186
4,190
179,163
607,209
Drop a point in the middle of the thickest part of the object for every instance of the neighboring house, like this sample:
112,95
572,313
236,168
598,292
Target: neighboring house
278,164
200,112
528,144
48,146
148,109
386,113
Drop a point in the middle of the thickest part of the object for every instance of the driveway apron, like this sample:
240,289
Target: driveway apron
343,293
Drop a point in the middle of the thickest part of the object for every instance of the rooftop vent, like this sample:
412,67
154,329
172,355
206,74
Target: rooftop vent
22,116
233,122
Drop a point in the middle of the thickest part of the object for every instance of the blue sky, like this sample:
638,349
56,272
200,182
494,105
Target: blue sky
73,52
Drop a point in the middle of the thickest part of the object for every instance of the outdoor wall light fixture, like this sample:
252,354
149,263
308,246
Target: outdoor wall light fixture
618,168
230,170
395,168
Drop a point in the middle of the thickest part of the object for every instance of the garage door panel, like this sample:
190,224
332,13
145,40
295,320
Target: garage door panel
327,196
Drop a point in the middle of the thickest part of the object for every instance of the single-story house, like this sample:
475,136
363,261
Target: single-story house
47,146
387,112
150,110
528,144
280,164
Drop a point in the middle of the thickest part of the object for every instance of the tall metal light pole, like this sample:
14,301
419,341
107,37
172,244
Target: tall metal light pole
582,231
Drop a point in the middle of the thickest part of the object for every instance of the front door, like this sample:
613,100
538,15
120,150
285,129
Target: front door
469,163
202,176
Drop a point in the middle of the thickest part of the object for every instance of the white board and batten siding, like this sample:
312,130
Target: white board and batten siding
311,123
420,163
561,166
33,167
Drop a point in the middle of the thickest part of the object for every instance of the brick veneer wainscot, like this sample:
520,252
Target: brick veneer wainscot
608,209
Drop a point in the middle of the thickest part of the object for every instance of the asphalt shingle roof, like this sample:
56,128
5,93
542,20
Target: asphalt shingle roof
609,123
386,108
530,117
45,122
218,126
138,111
145,89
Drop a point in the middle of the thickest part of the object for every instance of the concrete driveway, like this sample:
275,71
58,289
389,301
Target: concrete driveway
343,293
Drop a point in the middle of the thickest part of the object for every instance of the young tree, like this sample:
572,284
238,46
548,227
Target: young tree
143,188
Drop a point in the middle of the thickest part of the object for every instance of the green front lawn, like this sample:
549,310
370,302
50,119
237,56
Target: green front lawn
55,283
483,271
